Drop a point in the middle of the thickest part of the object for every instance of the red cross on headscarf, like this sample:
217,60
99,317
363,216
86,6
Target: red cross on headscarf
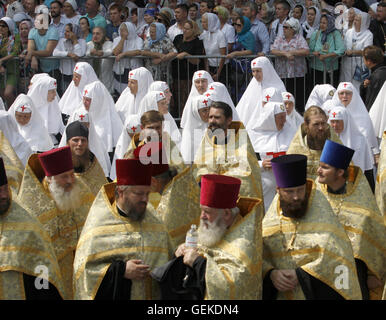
207,95
133,128
334,114
211,88
76,68
81,117
85,91
55,83
267,97
161,94
22,108
254,63
131,74
288,96
199,74
345,85
205,102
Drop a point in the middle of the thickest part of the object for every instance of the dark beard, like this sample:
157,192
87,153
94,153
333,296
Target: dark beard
81,162
292,209
136,215
4,206
317,141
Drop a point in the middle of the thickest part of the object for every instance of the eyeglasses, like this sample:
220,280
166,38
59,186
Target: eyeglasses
237,24
159,20
3,26
286,27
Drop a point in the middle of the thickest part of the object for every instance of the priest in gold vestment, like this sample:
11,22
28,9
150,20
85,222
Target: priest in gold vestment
227,263
226,149
122,240
86,165
13,165
26,253
310,138
60,201
306,251
352,200
380,186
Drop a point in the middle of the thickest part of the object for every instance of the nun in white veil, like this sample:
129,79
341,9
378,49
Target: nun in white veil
72,97
195,127
10,130
102,113
293,117
217,91
358,111
43,94
356,39
138,85
162,86
156,100
34,131
271,137
319,95
200,84
95,144
264,76
344,125
378,113
132,126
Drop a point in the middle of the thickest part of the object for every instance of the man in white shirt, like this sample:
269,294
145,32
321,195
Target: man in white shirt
181,14
282,9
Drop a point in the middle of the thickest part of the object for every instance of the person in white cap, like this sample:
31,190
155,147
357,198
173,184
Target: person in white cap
319,95
30,124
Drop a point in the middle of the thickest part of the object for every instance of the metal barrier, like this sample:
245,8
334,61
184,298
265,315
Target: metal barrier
236,82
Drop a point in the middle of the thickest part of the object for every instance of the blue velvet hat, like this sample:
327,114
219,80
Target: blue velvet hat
336,155
290,170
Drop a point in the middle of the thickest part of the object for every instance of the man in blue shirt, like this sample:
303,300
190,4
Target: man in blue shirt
92,9
258,28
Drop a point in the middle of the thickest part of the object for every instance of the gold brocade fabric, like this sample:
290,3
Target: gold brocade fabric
317,243
299,145
172,152
236,159
380,186
234,265
64,228
154,199
24,246
13,166
358,212
179,207
107,236
93,177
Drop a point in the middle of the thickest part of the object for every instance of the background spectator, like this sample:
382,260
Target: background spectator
25,70
312,22
86,26
92,12
181,14
57,21
225,27
282,9
115,12
378,26
70,13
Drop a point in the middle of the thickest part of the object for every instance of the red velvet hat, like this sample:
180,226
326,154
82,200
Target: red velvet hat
56,161
220,192
3,173
131,172
153,152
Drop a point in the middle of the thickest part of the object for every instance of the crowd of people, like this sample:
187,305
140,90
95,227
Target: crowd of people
99,184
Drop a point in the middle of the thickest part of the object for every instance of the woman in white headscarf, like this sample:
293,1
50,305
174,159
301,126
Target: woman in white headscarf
347,96
312,22
130,128
43,94
156,100
100,106
271,137
162,86
83,74
197,117
95,143
264,76
128,44
138,84
348,19
319,95
200,84
30,124
215,44
344,125
293,117
8,127
356,39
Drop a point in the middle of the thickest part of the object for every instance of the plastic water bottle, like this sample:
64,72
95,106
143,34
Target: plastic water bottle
192,237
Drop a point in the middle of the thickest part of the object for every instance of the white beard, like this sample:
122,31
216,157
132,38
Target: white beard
66,200
209,235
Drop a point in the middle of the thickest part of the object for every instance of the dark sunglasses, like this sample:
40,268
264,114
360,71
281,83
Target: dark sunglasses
3,25
237,24
286,27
